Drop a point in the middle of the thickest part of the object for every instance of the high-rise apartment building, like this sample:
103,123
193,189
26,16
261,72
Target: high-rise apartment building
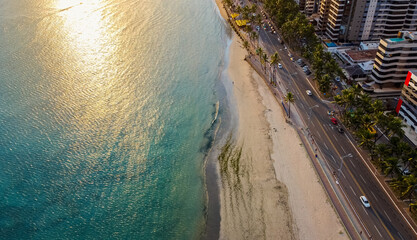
308,6
394,58
362,20
407,104
334,14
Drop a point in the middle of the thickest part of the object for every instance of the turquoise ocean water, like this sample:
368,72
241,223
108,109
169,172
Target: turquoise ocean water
106,116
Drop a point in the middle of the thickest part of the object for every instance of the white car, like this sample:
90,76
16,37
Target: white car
279,65
365,201
309,93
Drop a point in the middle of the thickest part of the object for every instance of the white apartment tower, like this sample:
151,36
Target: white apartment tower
363,20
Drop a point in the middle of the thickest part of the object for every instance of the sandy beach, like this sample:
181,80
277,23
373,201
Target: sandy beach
269,188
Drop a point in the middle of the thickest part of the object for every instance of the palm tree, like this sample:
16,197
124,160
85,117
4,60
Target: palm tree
246,44
260,53
391,166
410,183
274,61
289,98
264,61
391,125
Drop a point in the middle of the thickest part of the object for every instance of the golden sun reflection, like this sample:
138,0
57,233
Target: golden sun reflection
84,26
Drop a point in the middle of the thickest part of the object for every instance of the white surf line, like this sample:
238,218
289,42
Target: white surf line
333,158
353,190
387,216
377,231
363,179
352,163
373,195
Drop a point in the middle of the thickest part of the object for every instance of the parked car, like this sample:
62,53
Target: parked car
309,93
334,121
279,65
292,59
365,201
341,130
308,72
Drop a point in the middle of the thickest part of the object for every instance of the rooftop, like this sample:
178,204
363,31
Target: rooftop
357,55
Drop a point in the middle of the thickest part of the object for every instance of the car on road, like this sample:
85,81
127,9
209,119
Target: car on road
365,201
308,72
337,79
279,65
292,59
334,121
289,55
341,130
309,93
285,47
258,28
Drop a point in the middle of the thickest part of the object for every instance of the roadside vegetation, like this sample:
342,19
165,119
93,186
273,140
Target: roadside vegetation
394,158
298,34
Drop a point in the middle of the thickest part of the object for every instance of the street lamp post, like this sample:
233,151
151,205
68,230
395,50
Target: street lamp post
341,161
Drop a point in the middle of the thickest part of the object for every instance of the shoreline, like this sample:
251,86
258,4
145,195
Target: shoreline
273,158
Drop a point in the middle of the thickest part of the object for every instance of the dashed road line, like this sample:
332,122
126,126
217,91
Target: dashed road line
399,234
364,209
353,190
343,149
374,195
326,146
378,231
387,216
333,158
352,163
362,178
343,175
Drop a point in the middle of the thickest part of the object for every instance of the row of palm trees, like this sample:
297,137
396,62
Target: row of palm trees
396,159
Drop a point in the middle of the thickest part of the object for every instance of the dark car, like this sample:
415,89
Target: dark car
341,130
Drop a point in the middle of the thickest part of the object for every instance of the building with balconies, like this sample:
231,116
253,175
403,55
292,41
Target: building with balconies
407,105
376,19
394,58
366,20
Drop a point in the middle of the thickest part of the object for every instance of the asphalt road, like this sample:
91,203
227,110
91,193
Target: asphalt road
382,220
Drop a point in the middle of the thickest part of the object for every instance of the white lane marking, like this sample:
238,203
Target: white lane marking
374,195
382,187
319,134
399,234
326,146
353,190
336,139
387,216
313,123
352,163
378,231
362,178
364,209
343,175
343,149
333,158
